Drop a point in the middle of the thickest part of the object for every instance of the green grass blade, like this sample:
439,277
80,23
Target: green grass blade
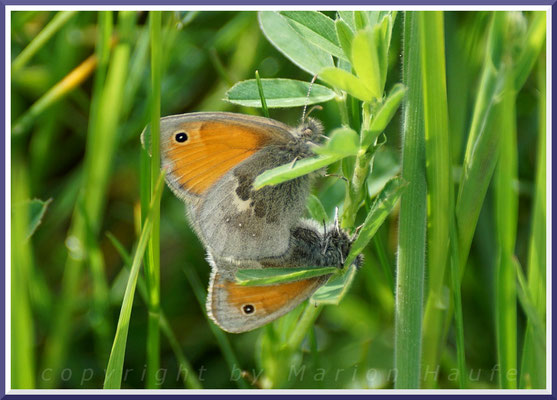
438,167
261,94
412,220
153,266
189,376
39,41
22,326
482,144
459,319
273,276
113,376
99,154
532,372
506,216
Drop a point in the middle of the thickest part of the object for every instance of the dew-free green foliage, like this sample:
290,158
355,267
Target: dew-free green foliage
434,162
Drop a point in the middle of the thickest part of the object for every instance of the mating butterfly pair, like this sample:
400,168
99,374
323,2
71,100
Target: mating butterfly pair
212,160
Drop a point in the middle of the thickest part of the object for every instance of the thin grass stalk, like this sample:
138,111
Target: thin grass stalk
185,369
222,340
482,144
95,258
153,272
459,320
113,376
100,152
22,343
40,40
533,367
412,219
506,215
438,167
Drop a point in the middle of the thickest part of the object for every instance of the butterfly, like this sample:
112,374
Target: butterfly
212,160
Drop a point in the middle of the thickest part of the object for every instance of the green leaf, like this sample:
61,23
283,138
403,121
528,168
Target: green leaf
317,28
348,17
344,80
273,276
366,62
278,93
335,289
361,20
381,208
296,48
345,37
36,209
382,37
343,142
384,114
316,209
288,171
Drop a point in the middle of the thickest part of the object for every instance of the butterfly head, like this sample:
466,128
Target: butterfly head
311,130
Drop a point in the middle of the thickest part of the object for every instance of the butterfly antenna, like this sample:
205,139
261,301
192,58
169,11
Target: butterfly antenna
337,227
326,246
307,97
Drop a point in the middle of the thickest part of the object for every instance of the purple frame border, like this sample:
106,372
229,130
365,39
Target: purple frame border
3,5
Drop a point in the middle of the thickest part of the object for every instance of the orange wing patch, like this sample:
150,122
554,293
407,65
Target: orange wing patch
267,299
210,151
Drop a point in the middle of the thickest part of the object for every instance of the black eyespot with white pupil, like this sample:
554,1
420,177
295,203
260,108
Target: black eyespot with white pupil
181,137
248,309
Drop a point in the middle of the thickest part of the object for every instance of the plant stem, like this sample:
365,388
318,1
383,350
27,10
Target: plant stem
153,272
412,220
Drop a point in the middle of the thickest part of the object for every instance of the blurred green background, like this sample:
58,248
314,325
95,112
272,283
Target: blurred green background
66,294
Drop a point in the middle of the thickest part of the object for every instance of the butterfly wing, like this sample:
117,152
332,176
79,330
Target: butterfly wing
237,308
198,149
235,221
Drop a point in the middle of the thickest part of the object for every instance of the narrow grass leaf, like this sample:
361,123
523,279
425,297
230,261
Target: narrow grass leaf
533,368
273,276
279,93
261,95
39,40
75,78
411,248
113,377
296,48
35,209
506,219
439,184
534,40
